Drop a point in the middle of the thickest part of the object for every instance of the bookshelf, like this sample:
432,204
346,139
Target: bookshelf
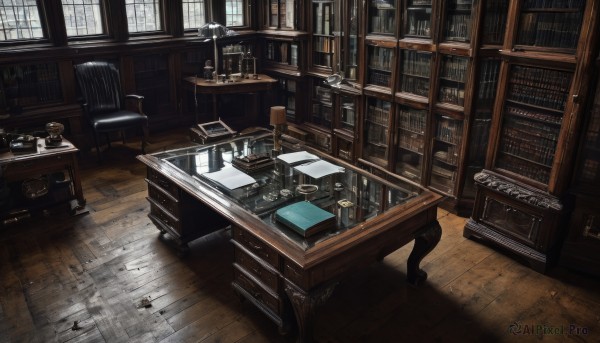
494,22
382,17
457,21
323,40
376,130
26,86
581,250
322,104
350,40
280,14
415,74
418,24
522,201
151,77
446,152
452,80
411,128
380,65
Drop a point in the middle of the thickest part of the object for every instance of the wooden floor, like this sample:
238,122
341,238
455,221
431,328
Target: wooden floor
96,269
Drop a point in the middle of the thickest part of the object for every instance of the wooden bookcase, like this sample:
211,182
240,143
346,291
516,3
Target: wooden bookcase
521,202
581,249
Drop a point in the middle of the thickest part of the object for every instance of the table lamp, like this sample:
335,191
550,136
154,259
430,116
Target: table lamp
277,120
215,31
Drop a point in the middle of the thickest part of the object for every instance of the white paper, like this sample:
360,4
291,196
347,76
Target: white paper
319,169
297,157
230,177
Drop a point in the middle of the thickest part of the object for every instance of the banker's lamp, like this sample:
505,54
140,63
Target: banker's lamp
277,120
215,31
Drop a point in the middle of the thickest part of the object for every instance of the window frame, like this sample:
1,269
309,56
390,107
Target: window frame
105,26
207,17
245,15
162,8
31,41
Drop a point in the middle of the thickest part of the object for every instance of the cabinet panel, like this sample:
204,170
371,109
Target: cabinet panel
380,63
531,121
494,21
376,131
550,24
457,25
411,127
446,153
322,34
415,73
382,17
418,19
29,85
452,80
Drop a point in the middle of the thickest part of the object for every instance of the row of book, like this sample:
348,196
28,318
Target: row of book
538,97
555,30
532,128
412,120
323,44
419,23
447,154
379,112
414,85
531,114
449,130
479,138
380,78
554,80
452,95
381,58
524,168
411,141
454,68
462,5
323,18
322,59
377,134
420,3
32,83
527,4
458,27
494,25
416,63
516,143
383,21
488,80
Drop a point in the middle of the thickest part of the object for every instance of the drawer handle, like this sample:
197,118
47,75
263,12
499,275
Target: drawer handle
254,246
257,295
256,271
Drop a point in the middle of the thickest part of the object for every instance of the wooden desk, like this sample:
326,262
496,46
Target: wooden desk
263,83
282,273
23,166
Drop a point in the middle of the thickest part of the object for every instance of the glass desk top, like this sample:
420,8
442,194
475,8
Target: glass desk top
352,195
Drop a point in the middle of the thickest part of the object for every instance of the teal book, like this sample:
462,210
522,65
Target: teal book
305,218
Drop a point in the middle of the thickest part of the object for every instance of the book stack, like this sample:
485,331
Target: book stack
305,218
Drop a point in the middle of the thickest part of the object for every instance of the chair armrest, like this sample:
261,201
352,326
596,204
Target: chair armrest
139,99
134,96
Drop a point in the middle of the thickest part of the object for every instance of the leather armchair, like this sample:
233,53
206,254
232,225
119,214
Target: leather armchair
104,102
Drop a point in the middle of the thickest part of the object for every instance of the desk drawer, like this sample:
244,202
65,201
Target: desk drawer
163,182
167,201
21,169
255,246
256,290
254,267
164,217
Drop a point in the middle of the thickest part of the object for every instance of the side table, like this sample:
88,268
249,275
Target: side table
18,167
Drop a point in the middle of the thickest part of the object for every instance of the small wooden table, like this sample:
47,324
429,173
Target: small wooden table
263,83
44,161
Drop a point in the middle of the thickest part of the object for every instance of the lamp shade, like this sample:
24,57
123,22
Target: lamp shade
277,115
214,30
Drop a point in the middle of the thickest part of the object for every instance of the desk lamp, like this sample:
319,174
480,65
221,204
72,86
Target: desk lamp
215,31
277,120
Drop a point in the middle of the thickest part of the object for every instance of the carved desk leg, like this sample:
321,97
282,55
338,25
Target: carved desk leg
304,306
424,243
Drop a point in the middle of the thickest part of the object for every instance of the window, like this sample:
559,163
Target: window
19,19
234,12
194,14
143,15
82,17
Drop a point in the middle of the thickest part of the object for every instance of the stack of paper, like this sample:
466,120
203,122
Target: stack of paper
230,178
318,169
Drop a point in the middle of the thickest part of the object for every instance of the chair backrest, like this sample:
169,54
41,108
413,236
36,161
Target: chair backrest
100,86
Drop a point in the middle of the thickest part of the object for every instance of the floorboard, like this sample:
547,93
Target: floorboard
95,269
